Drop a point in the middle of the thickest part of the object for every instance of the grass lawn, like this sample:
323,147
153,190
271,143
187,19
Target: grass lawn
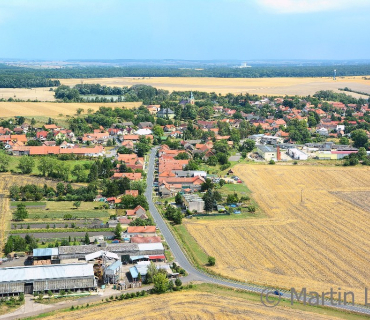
192,248
57,210
14,161
28,203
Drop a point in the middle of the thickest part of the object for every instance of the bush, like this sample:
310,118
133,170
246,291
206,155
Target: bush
21,297
178,282
211,261
251,209
271,162
62,292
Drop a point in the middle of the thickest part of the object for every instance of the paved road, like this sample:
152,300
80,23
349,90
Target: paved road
196,274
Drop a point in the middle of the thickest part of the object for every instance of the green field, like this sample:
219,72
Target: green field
57,210
14,161
42,215
28,203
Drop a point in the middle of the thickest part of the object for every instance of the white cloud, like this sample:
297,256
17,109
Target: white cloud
307,6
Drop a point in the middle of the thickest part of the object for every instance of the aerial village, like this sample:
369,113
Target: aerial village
114,243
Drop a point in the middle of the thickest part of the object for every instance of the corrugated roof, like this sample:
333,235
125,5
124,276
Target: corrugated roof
33,273
43,252
114,266
150,246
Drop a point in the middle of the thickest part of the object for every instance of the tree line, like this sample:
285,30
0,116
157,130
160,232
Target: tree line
222,72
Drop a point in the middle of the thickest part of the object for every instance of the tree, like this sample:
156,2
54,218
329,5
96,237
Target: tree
158,131
191,166
217,196
77,204
118,231
60,189
344,141
151,272
14,191
212,161
211,261
232,198
208,200
87,239
182,156
248,145
178,198
160,283
26,164
21,213
4,162
78,172
178,282
359,138
177,217
221,146
208,184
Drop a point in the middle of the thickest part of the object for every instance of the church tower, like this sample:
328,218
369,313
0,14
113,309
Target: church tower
192,100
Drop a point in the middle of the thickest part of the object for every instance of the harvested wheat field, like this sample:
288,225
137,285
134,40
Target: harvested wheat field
319,243
187,305
40,94
262,86
53,109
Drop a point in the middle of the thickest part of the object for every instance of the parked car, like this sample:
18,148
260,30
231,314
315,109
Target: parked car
278,293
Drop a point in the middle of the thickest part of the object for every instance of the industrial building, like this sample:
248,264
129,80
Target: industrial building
122,250
43,256
193,202
297,154
30,279
268,153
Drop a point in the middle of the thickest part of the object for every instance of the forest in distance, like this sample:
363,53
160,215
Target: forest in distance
26,77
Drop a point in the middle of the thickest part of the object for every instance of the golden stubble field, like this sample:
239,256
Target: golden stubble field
53,109
40,94
261,86
320,243
187,305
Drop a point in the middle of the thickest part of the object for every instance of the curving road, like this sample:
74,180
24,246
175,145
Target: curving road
195,274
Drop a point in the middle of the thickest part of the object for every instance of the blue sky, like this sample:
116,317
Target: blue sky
185,29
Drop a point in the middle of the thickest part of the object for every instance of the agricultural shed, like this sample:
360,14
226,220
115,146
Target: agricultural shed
30,279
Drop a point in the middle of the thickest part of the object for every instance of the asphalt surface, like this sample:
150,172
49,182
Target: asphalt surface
195,274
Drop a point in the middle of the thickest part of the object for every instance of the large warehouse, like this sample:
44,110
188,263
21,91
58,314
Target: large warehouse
30,279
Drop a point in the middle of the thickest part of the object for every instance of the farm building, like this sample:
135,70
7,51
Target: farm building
73,253
193,202
266,152
79,252
112,272
42,256
30,279
297,154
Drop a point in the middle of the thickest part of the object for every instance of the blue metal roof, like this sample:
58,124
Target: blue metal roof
114,266
43,252
134,273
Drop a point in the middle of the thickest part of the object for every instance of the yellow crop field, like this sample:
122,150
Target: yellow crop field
187,305
261,86
40,94
316,234
53,109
